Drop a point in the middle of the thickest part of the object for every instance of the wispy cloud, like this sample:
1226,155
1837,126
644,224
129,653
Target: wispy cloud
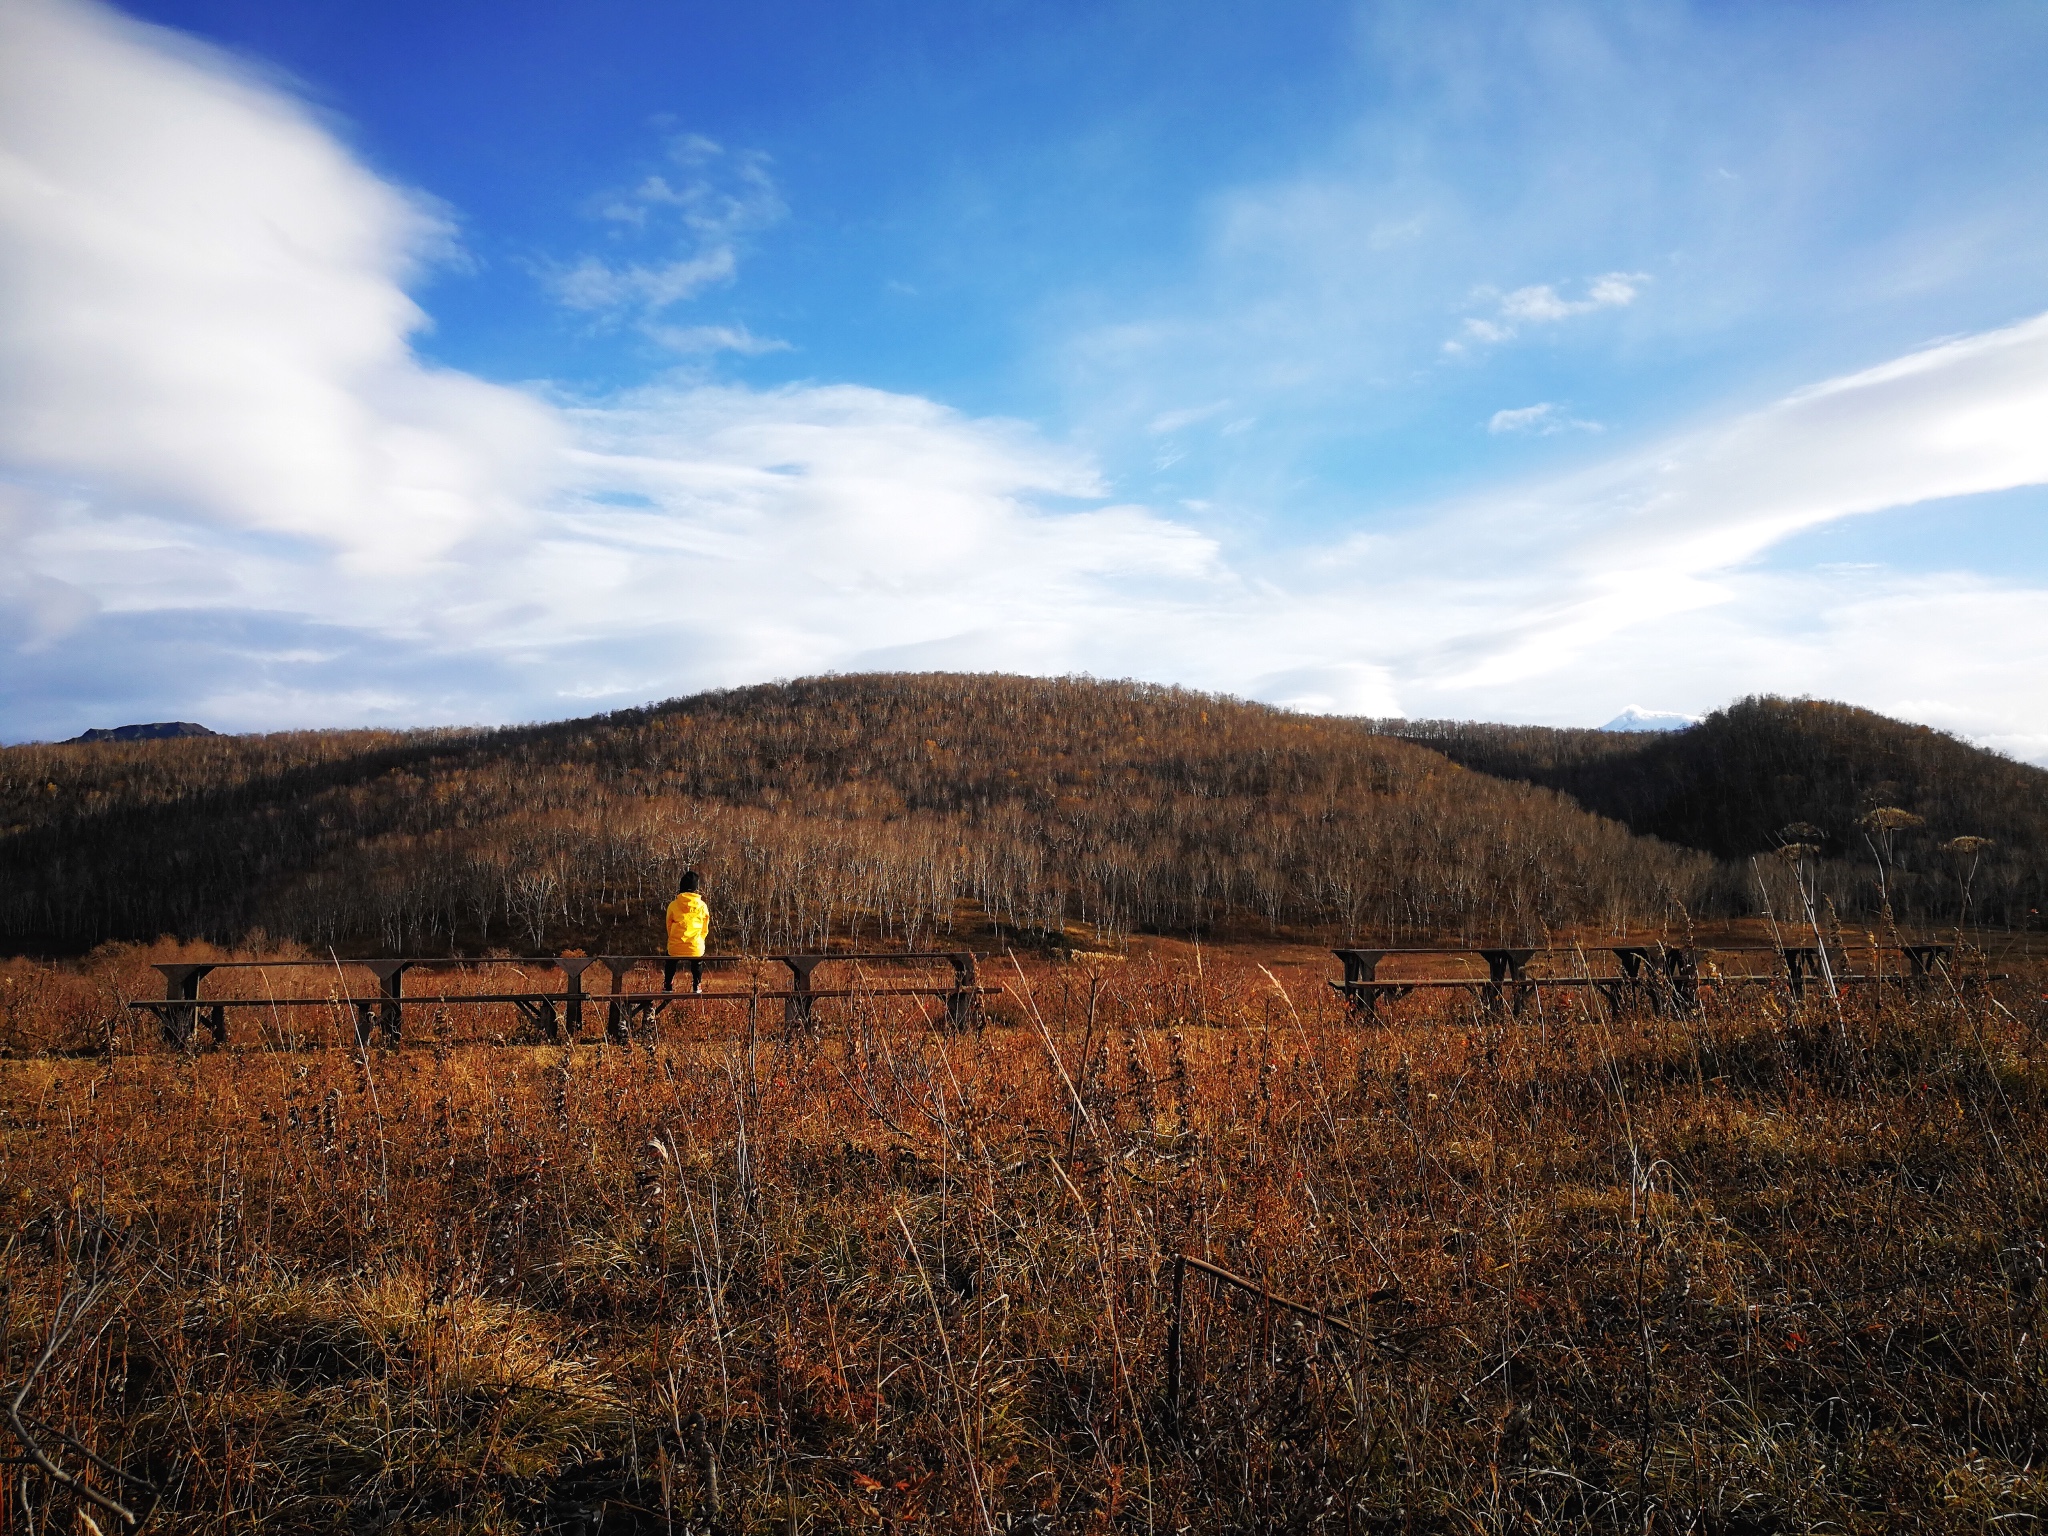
695,216
602,285
1542,420
700,340
1550,574
1541,304
1168,422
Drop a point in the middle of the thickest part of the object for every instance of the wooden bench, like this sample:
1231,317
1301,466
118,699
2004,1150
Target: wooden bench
558,1015
1664,978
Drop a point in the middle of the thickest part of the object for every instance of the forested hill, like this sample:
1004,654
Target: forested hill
1733,784
892,805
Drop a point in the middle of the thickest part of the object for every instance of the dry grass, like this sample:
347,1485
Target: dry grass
1734,1273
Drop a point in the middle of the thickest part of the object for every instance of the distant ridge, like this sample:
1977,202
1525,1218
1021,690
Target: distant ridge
1736,784
161,730
1636,718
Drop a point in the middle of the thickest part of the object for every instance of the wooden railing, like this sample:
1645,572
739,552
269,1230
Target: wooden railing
559,1015
1664,978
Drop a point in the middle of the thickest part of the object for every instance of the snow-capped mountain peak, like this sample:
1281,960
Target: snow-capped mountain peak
1636,718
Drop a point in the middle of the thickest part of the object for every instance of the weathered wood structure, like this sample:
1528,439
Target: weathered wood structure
559,1014
1663,978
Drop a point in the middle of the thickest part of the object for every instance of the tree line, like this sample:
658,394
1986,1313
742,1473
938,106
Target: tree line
1890,815
893,806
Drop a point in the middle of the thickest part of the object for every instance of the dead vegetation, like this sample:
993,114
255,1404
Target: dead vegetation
1739,1272
904,806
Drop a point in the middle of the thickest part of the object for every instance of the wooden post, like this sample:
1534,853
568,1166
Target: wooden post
615,1028
180,1013
391,987
572,968
1173,1346
796,1008
963,1003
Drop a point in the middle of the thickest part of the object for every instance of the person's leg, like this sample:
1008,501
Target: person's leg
668,975
696,975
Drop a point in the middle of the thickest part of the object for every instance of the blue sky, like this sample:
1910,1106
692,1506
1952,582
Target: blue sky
380,364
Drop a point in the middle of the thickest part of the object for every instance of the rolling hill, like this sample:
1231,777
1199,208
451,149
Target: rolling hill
896,806
1732,785
888,805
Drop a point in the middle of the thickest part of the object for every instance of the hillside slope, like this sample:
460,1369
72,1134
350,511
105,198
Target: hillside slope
1731,785
887,804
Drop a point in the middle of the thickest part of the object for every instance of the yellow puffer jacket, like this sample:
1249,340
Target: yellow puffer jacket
689,920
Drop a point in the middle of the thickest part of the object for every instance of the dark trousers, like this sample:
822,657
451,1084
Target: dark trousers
668,973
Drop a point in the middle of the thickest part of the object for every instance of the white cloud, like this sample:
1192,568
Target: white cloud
211,408
1542,304
1542,420
698,340
703,536
700,219
1345,688
1616,574
804,527
595,284
1168,422
202,306
1954,651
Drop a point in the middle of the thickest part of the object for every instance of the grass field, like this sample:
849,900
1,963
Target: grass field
1743,1272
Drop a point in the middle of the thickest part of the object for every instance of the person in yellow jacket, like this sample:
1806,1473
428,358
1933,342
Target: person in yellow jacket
689,921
